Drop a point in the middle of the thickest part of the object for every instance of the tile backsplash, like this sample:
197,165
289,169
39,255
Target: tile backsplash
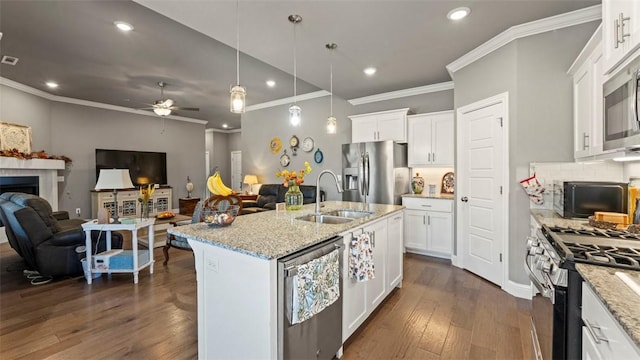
547,172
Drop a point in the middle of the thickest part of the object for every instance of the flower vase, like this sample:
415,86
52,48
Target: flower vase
293,198
144,213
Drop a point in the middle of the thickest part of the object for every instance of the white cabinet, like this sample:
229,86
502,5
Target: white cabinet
602,336
428,228
395,230
430,139
360,299
128,204
587,99
621,31
380,126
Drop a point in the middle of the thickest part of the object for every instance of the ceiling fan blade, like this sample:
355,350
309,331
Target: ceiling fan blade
185,108
168,103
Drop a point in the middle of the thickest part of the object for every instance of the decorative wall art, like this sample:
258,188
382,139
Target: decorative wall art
15,136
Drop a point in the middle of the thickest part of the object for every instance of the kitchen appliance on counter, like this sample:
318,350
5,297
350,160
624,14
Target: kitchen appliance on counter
621,109
581,199
320,336
550,262
375,172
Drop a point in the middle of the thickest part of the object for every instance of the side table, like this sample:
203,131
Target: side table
246,197
108,228
187,205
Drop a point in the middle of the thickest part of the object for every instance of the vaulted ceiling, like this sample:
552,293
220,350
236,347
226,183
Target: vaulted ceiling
190,45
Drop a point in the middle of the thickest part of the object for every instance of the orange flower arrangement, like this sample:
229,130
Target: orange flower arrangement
292,177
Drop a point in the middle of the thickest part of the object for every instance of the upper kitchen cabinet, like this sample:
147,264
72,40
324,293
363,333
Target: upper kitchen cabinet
380,126
621,31
430,139
587,99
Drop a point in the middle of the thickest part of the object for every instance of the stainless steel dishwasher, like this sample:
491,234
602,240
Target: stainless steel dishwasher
319,337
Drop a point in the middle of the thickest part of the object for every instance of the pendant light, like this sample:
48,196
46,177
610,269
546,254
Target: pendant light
295,112
331,120
238,92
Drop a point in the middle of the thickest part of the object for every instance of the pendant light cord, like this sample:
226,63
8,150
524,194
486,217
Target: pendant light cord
294,64
238,42
331,83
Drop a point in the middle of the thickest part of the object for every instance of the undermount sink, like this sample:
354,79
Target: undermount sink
352,214
325,219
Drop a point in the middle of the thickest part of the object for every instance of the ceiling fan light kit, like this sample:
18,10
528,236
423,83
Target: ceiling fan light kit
295,112
237,101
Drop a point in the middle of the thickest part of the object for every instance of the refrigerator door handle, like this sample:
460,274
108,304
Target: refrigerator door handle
368,173
361,174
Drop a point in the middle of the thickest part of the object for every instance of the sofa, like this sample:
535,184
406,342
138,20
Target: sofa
270,194
50,243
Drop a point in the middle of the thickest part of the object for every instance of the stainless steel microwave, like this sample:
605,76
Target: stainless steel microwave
581,199
621,120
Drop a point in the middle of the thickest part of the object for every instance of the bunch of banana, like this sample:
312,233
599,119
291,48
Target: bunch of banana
217,187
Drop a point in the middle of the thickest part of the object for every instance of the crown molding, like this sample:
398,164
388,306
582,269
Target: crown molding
594,41
67,100
402,93
288,100
577,17
231,131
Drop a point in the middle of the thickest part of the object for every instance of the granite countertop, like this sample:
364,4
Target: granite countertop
622,302
271,234
434,196
551,218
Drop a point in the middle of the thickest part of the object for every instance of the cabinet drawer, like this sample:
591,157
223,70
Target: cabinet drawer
428,204
612,342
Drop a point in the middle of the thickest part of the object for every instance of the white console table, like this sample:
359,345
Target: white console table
108,228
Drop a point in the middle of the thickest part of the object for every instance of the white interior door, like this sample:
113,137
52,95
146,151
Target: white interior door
236,170
480,195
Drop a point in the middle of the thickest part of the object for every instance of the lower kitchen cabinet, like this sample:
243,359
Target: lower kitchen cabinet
360,299
602,336
428,227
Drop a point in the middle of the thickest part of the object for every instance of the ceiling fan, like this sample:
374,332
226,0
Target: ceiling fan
164,107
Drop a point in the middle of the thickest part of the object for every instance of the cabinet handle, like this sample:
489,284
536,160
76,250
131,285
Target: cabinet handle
429,157
373,238
590,328
428,220
424,220
621,21
585,141
434,157
616,31
424,205
397,218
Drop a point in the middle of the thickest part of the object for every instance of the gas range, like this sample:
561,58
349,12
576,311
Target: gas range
595,246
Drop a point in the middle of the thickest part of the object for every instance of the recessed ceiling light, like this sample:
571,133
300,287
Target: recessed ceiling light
271,83
458,13
370,71
123,25
225,126
52,84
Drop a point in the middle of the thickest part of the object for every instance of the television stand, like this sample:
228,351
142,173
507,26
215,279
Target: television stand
128,204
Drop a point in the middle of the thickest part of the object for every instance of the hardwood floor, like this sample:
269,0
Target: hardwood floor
441,312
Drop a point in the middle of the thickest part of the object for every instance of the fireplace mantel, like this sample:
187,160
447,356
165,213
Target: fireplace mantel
45,169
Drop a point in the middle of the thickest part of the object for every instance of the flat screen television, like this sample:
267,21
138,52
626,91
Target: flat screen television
145,167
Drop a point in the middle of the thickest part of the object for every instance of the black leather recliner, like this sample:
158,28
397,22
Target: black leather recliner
47,241
270,194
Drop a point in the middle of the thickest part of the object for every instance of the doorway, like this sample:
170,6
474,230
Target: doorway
482,188
236,170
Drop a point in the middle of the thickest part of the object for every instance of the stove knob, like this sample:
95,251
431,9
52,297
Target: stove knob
538,250
541,261
547,266
532,242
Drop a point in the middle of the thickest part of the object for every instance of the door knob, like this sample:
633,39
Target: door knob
464,199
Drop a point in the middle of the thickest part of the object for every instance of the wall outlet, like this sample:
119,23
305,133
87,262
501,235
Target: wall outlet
78,211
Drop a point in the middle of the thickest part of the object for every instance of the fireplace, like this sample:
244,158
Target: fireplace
23,184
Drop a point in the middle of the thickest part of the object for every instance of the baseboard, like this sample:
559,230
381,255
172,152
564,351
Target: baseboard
522,291
454,261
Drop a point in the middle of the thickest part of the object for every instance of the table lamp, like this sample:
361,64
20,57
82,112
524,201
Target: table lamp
250,179
114,179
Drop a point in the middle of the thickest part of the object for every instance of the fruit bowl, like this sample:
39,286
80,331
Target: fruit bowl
221,216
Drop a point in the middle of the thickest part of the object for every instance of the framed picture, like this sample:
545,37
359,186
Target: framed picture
15,136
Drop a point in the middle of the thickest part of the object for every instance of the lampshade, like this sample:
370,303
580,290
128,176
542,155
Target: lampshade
295,115
238,95
331,125
114,179
250,179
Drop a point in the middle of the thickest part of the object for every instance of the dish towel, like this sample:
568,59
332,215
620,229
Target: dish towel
316,286
361,266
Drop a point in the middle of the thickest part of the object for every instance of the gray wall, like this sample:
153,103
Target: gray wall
76,131
425,103
258,127
235,141
533,71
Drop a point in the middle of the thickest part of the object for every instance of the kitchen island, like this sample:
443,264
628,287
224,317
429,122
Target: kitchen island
236,270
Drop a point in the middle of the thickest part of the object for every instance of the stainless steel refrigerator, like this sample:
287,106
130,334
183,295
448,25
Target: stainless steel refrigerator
375,172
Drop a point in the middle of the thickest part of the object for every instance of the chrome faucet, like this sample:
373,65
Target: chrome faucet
335,177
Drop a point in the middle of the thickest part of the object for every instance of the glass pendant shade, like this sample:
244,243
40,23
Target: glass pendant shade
162,111
237,103
295,115
332,126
